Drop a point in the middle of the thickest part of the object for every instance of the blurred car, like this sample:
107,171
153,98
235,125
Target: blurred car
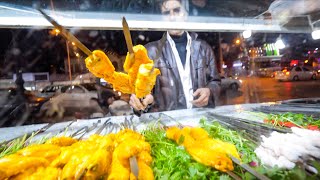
51,90
267,72
16,109
74,99
230,83
295,73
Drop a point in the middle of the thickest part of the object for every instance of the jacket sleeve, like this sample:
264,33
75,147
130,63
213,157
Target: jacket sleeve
212,76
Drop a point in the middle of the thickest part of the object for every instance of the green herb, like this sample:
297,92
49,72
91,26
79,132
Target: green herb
19,143
300,120
171,161
13,146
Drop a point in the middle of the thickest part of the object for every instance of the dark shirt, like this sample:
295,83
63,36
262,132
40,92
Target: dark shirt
181,44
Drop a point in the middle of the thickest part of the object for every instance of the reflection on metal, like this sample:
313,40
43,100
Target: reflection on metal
13,18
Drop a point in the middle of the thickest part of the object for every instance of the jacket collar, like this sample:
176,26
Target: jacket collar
194,55
195,46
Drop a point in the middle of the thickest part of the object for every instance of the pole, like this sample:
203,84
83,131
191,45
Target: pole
69,65
220,55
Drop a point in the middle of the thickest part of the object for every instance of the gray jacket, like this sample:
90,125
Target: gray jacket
168,91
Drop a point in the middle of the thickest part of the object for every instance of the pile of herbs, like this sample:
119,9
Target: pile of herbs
171,161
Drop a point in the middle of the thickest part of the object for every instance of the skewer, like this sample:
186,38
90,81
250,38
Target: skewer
249,169
65,128
94,126
249,136
28,135
233,175
66,34
103,126
260,124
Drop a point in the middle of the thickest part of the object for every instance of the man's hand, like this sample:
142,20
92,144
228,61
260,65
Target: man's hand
137,104
203,99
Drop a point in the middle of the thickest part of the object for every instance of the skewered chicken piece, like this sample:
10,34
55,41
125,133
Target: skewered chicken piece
128,144
141,76
47,151
48,173
98,157
14,164
77,162
208,151
61,141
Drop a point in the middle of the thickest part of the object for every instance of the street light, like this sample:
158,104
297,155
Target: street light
315,34
279,43
237,41
246,34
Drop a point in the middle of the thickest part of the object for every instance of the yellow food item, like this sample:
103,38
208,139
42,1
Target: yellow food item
15,164
98,157
99,64
144,161
140,79
47,151
146,79
48,173
129,144
61,141
202,148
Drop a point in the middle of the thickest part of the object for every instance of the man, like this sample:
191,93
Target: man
106,98
189,77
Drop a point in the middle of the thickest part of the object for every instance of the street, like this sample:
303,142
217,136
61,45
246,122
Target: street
257,90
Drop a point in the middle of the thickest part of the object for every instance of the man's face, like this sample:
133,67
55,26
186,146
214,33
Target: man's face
174,11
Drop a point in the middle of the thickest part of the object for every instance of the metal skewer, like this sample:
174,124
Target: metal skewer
66,34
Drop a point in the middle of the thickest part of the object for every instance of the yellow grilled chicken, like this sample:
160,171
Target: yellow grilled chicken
98,157
129,144
14,164
61,141
202,148
140,78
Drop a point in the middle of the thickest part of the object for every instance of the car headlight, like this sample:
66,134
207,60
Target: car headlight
240,81
33,104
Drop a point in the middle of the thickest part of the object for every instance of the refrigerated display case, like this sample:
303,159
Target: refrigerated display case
254,133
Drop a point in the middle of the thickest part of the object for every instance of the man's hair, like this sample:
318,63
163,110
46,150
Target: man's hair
161,2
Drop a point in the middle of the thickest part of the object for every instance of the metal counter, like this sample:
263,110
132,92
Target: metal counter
86,127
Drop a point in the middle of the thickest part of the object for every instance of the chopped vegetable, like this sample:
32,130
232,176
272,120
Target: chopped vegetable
293,120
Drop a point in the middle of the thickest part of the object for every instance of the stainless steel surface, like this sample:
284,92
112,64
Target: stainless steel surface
189,117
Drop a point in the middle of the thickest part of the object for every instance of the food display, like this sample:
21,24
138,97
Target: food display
141,76
209,150
98,157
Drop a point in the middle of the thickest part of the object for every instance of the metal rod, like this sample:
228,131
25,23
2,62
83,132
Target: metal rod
249,169
66,34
